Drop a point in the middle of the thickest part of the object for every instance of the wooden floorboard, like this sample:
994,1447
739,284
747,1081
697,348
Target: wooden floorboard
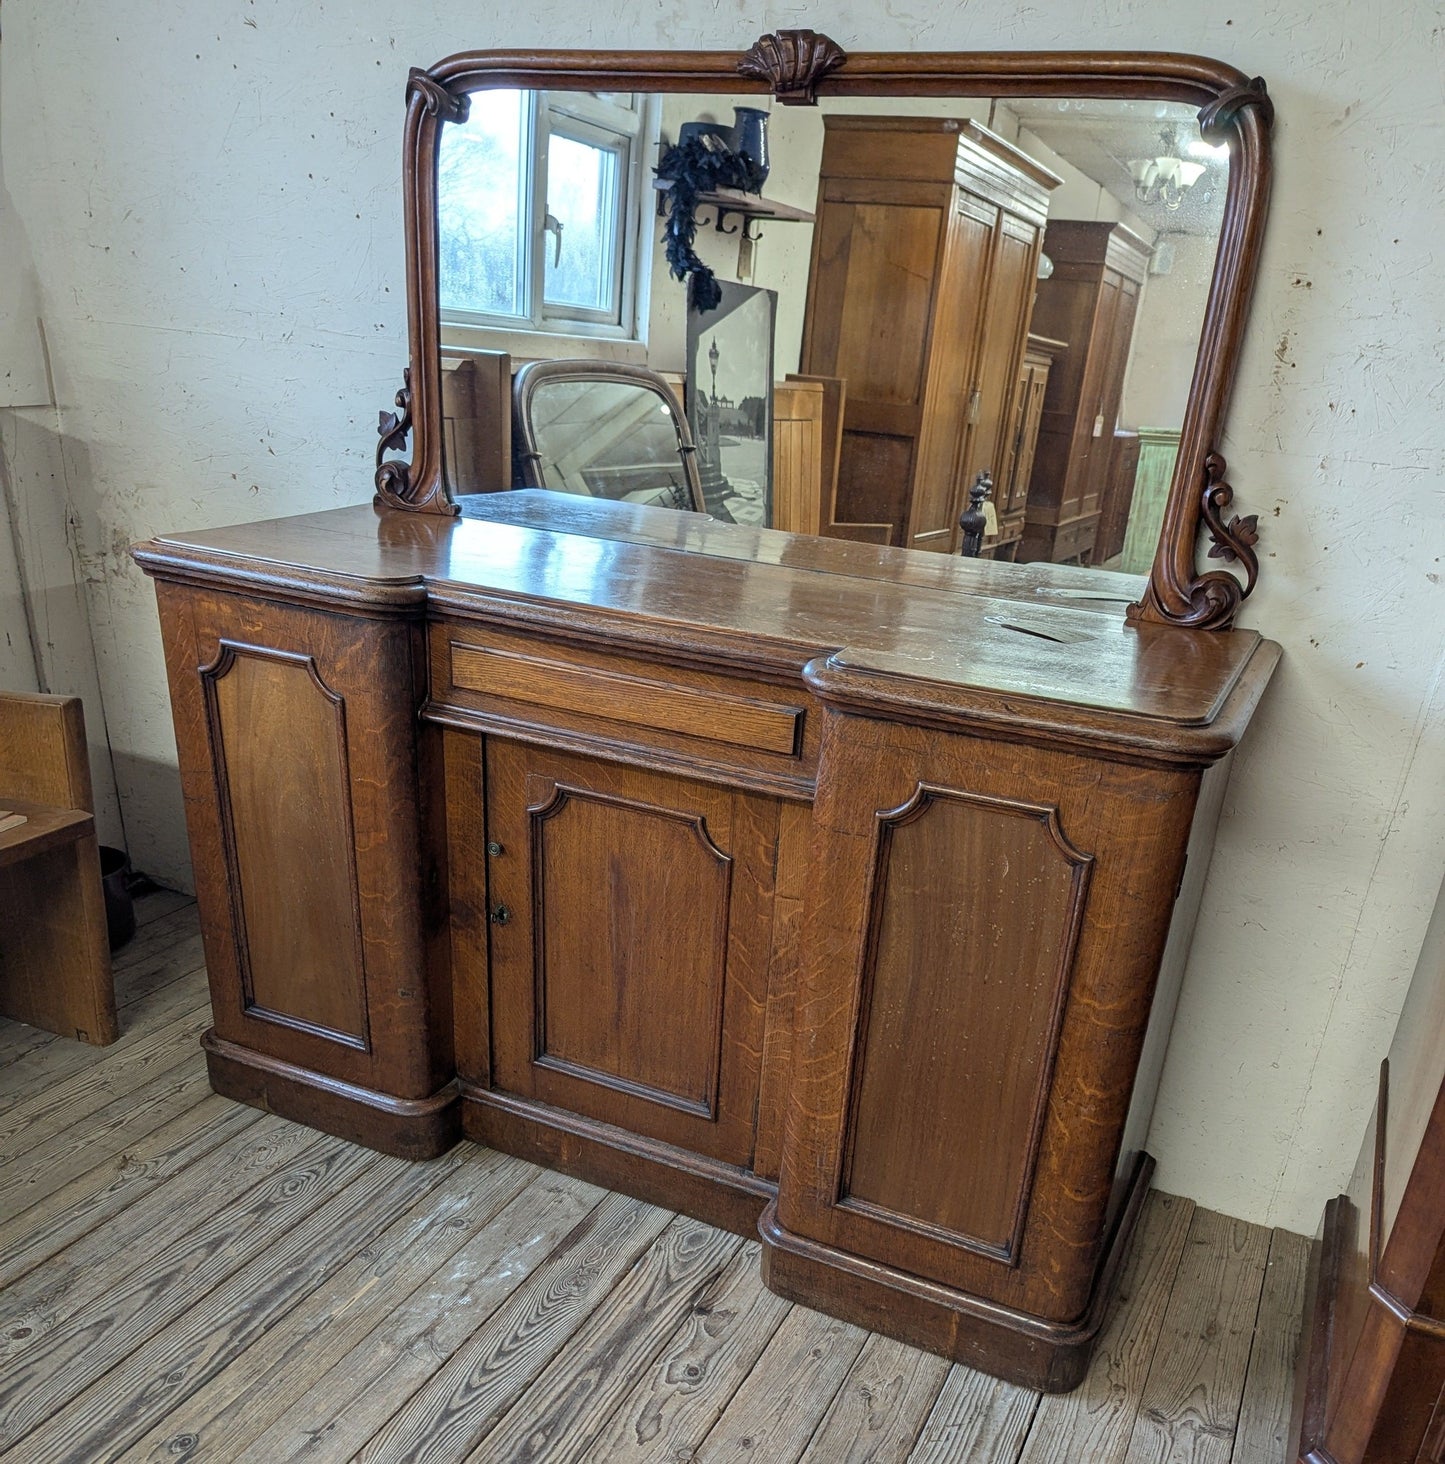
676,1402
1191,1399
879,1412
1260,1437
184,1278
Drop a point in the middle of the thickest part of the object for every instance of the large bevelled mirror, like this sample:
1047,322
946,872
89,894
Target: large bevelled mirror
1021,299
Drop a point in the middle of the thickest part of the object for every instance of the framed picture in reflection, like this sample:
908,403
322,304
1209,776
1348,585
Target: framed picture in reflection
730,402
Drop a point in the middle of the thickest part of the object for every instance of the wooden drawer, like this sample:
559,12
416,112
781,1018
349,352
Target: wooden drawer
1074,539
644,711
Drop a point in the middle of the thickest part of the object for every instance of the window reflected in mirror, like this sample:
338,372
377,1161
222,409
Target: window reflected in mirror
966,293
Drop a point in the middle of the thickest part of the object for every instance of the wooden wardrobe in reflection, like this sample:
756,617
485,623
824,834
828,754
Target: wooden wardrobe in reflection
1090,301
925,254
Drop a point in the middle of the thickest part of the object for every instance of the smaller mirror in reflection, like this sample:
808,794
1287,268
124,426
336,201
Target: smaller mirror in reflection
603,432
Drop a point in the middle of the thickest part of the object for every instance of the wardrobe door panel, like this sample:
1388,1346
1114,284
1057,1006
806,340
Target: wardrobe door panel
1005,325
962,308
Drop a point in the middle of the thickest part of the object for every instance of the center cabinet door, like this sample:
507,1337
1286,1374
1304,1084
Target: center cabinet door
631,928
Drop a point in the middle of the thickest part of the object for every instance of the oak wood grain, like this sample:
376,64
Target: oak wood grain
618,697
747,610
628,894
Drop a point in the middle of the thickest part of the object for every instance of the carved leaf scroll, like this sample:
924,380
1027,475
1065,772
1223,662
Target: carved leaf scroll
393,477
792,62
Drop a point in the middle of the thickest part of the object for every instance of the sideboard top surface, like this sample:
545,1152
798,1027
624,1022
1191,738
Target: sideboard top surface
685,583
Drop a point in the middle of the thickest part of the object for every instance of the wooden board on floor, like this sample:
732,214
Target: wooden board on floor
675,1403
584,1385
775,1411
878,1413
1261,1434
1190,1403
1096,1421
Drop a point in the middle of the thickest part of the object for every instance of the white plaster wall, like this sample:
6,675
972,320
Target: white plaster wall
45,637
211,190
17,661
1166,335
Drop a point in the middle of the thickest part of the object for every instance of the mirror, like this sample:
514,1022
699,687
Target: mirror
603,431
1028,289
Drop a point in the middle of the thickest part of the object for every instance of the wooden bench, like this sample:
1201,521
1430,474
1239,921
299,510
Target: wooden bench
54,953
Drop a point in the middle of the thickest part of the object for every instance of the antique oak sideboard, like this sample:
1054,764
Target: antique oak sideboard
752,874
829,891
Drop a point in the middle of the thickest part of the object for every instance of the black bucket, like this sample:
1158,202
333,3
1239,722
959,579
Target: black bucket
119,907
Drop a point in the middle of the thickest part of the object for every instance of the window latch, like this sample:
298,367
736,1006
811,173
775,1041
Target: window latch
553,225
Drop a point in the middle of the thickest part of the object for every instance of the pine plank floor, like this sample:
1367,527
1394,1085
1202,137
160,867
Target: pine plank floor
184,1278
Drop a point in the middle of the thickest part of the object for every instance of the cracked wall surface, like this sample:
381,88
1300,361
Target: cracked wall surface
212,195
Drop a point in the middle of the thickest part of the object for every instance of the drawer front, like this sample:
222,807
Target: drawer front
1074,539
698,721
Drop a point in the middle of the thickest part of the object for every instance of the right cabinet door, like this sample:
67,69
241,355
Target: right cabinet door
976,982
631,926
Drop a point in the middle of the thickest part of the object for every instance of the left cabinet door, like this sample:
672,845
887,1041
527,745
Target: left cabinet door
630,930
306,781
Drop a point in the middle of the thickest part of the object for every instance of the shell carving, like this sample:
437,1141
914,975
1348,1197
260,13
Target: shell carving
792,62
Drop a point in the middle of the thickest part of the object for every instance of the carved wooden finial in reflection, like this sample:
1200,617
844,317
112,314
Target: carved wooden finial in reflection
437,100
1219,116
792,62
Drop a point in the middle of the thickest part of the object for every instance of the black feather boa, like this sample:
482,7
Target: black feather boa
699,165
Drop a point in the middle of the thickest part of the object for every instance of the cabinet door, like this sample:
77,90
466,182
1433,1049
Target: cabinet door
1028,412
1005,327
1109,359
974,989
631,922
949,400
877,247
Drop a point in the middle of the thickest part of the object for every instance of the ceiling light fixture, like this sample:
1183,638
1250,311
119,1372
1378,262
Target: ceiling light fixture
1167,178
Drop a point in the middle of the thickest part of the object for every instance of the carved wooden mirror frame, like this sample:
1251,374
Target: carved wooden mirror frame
796,67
